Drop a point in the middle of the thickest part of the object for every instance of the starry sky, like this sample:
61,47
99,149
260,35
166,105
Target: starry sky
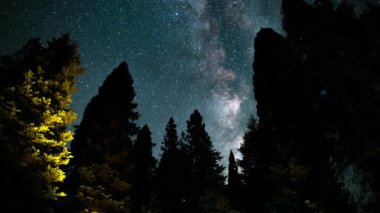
182,54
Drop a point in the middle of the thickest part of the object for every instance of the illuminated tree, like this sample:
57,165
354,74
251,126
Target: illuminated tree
35,98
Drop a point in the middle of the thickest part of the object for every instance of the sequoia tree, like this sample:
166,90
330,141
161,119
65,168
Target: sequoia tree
101,169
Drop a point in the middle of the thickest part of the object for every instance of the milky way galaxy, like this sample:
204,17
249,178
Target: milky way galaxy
219,25
183,54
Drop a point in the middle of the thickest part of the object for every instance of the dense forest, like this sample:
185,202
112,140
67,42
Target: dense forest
314,145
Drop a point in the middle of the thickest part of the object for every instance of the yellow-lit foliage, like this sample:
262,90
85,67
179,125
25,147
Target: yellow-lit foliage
100,183
34,116
41,108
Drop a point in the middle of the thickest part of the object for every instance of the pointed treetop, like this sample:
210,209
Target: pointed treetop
232,162
144,137
145,129
196,118
171,120
119,81
232,170
171,137
232,156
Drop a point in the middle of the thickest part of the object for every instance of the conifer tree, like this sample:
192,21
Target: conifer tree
258,153
294,133
314,124
144,167
233,175
208,178
101,170
234,187
171,138
174,173
205,157
36,89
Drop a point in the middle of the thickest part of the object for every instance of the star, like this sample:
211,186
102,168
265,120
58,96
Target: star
182,54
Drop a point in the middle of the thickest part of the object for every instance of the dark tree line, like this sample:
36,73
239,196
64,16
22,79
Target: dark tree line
112,168
317,95
313,148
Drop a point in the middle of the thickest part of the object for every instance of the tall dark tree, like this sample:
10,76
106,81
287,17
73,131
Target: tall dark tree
291,121
101,169
234,187
314,124
258,154
336,57
35,91
173,174
205,158
144,166
233,175
208,178
366,149
108,122
171,138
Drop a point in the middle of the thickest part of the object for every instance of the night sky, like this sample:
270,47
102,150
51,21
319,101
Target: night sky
182,54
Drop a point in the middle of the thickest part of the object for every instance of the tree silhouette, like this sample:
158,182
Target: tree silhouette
233,175
101,169
36,87
171,138
234,187
144,166
258,153
173,175
317,110
108,121
206,169
208,178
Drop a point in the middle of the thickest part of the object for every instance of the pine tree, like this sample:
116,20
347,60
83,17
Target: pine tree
102,165
206,168
258,154
234,189
174,173
144,167
35,96
171,138
233,176
208,178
